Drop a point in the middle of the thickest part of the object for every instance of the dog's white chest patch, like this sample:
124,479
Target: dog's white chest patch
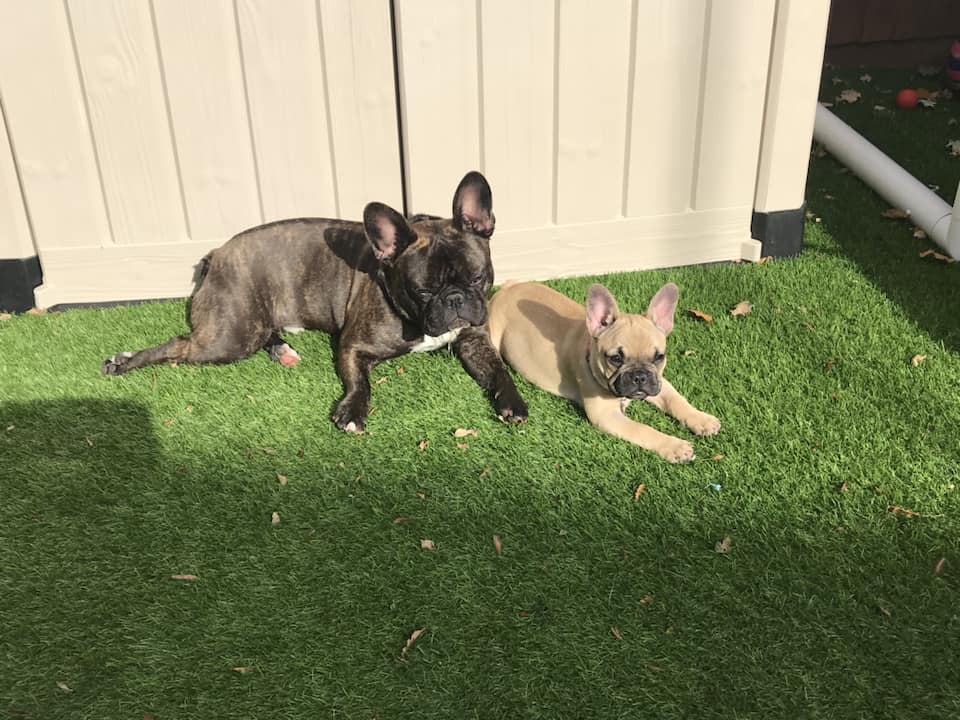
429,342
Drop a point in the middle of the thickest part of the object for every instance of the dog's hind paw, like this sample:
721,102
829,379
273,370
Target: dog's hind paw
284,354
117,364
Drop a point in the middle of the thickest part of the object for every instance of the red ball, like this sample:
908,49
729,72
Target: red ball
907,99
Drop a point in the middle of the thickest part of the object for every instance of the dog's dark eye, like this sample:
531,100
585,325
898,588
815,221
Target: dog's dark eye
616,359
657,357
478,280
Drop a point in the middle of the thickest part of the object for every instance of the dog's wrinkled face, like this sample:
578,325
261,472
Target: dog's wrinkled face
627,352
437,272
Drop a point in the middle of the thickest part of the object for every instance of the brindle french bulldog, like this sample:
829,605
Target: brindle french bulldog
388,287
598,357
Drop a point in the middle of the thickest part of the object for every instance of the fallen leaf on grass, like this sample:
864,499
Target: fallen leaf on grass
903,512
401,519
63,686
10,427
497,544
168,423
688,353
700,315
89,441
639,491
485,471
275,518
845,486
718,456
410,641
742,308
462,446
883,611
381,379
849,95
422,496
423,444
939,566
400,370
463,432
242,669
427,545
185,576
895,213
616,633
723,546
917,359
764,259
282,479
647,599
930,252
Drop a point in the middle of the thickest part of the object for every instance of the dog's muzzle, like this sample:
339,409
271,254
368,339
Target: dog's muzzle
636,383
454,308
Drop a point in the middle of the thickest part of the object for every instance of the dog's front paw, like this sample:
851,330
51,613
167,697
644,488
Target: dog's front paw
675,450
703,424
350,414
510,406
117,364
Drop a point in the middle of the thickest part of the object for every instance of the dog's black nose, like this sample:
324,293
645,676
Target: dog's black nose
640,377
454,300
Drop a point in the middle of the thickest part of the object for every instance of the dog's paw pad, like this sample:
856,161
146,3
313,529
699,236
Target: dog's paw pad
284,354
678,452
350,427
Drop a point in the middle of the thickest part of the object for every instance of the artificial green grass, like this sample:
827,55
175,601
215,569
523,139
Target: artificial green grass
826,606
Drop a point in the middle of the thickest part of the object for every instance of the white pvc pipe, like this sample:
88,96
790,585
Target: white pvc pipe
898,187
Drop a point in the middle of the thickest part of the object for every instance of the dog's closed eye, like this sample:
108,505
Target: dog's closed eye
657,357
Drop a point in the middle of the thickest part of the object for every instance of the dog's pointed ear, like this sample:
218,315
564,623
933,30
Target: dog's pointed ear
386,230
473,205
602,309
662,307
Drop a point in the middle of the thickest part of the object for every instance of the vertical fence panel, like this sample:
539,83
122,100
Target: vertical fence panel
734,87
363,106
439,88
205,88
666,100
15,238
121,73
288,108
46,118
518,93
594,57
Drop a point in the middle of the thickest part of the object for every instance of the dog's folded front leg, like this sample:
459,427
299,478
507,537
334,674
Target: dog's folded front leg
354,367
606,414
483,364
676,405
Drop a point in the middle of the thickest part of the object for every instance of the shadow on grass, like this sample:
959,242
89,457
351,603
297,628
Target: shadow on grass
315,610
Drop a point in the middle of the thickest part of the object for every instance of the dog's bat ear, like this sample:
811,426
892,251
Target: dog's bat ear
386,230
473,205
662,307
602,309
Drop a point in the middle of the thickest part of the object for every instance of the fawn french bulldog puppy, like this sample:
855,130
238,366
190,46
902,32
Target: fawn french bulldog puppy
386,285
598,357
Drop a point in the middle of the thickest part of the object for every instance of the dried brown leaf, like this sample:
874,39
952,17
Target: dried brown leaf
742,308
64,687
89,441
400,370
699,314
883,611
381,379
410,641
485,471
895,213
462,446
185,576
275,518
422,496
764,259
463,432
845,486
497,545
282,479
423,444
242,669
168,423
688,353
917,359
401,519
639,491
723,546
718,456
939,566
647,599
903,512
426,544
616,633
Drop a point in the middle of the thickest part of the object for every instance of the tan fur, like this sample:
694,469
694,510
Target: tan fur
543,335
